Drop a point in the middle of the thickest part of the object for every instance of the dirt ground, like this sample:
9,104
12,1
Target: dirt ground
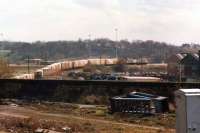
23,117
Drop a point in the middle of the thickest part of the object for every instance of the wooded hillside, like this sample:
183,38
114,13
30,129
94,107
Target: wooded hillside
156,51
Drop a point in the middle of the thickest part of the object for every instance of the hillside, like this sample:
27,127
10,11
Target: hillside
156,51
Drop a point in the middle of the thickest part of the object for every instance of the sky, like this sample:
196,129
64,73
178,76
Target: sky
172,21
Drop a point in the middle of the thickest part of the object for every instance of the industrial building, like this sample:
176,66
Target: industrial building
184,67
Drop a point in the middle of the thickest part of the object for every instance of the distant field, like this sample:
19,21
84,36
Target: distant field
23,69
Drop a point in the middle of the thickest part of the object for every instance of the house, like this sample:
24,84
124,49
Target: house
190,67
184,67
173,65
34,61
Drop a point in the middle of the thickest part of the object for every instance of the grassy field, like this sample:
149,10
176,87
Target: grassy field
23,69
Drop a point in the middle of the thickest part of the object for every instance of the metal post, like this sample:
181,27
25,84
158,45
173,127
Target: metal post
116,52
100,60
116,40
28,66
141,64
180,73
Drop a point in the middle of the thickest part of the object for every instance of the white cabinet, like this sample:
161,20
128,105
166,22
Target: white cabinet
188,110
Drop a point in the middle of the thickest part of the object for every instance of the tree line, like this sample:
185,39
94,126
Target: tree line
55,50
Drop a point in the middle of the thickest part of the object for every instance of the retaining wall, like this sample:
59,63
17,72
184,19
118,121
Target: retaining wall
76,91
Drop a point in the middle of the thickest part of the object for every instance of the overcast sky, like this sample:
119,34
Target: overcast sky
173,21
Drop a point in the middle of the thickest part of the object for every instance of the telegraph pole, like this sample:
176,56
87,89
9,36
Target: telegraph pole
116,40
28,65
180,73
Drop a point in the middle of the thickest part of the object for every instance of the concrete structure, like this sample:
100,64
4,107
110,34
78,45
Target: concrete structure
188,110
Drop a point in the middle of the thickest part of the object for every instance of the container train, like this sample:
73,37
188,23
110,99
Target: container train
56,68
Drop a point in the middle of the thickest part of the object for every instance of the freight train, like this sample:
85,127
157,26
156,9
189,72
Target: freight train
56,68
140,79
